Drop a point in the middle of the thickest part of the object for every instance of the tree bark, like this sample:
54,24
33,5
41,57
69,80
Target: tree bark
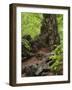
49,31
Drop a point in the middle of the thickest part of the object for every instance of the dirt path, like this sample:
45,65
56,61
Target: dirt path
35,59
32,60
37,64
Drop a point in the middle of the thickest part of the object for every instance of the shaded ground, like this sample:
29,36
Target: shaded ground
39,64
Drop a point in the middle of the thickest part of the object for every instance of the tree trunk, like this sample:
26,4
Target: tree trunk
49,31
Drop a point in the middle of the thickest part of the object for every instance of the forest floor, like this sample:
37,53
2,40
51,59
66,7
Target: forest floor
38,65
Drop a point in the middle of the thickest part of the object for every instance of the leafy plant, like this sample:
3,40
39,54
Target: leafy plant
57,58
26,44
60,25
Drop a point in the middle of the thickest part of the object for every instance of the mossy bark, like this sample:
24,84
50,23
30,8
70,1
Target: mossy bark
49,31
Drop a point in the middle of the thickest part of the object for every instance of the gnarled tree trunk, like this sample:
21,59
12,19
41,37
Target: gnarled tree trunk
49,31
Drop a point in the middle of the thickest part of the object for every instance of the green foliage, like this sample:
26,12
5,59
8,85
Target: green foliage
31,23
57,57
26,44
60,25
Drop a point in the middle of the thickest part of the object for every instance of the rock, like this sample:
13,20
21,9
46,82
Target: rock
29,70
33,69
51,62
39,70
26,71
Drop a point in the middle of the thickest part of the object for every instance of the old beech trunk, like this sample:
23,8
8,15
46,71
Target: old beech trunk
49,31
